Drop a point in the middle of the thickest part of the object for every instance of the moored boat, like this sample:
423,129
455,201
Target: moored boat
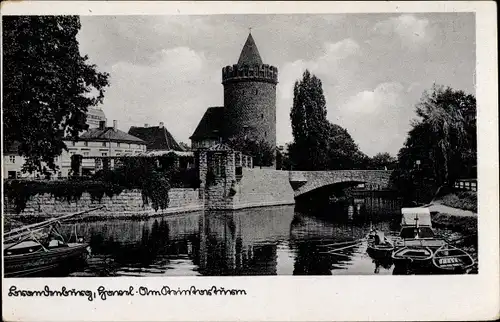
39,248
31,258
450,259
413,257
416,230
379,246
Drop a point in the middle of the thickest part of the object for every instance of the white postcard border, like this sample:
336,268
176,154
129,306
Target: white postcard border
300,298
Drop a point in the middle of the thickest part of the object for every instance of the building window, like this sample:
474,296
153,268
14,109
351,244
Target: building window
73,143
118,145
85,154
12,158
104,154
103,143
86,143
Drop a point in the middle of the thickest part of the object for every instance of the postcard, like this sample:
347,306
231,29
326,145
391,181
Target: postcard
254,161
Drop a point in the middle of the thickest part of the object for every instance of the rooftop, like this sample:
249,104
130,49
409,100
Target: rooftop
250,54
109,134
156,137
210,125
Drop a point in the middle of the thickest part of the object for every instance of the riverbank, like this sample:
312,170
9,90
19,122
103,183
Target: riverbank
464,200
452,218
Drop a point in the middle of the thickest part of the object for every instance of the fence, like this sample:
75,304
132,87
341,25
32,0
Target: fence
466,184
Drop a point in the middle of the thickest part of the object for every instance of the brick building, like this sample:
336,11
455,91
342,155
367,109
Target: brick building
249,109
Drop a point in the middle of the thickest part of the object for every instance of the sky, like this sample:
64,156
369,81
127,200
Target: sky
373,67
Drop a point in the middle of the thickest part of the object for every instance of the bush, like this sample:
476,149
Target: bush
466,200
134,173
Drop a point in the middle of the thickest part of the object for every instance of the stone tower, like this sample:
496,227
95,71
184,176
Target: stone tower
250,97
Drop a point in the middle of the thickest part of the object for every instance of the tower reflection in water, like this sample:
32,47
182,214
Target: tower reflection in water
260,241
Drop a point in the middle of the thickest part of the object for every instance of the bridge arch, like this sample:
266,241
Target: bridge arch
304,182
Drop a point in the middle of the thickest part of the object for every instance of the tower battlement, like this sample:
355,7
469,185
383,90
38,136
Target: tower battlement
237,73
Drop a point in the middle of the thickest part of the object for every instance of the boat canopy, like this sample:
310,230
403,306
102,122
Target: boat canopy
412,216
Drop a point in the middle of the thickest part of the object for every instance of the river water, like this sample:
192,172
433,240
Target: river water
258,241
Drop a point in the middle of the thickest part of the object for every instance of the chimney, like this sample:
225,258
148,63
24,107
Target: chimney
115,125
102,125
161,125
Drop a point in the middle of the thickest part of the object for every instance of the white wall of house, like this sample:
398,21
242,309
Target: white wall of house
14,163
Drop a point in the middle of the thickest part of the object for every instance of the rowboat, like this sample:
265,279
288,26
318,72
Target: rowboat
450,259
412,257
39,248
379,246
31,258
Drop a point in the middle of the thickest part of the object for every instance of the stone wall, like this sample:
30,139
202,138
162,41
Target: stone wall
125,204
263,187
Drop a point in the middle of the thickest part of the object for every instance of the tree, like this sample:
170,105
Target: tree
382,160
441,146
48,86
263,154
309,150
343,152
319,144
283,158
442,112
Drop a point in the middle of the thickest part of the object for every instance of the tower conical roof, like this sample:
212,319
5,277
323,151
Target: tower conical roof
250,54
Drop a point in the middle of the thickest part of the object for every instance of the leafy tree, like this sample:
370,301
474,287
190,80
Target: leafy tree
47,86
319,144
382,160
441,146
283,161
442,112
263,154
343,152
309,150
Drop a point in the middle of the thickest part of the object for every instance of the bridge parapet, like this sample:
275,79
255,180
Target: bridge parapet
297,179
306,181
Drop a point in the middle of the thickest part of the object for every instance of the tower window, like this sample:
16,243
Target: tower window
262,116
256,91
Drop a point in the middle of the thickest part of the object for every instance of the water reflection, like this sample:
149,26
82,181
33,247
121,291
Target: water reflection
261,241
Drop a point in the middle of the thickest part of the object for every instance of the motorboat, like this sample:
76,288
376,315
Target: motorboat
38,248
416,230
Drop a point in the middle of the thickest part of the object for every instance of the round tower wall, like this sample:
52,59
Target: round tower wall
250,109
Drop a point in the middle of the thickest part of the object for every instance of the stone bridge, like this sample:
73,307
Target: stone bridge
306,181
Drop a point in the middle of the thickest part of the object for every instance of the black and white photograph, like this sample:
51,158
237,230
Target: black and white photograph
216,145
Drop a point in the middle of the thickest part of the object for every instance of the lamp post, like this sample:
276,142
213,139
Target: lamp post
417,163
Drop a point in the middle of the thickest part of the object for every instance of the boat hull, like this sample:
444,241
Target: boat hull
414,259
451,260
33,264
379,251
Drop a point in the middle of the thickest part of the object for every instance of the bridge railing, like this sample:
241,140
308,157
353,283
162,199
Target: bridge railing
466,184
